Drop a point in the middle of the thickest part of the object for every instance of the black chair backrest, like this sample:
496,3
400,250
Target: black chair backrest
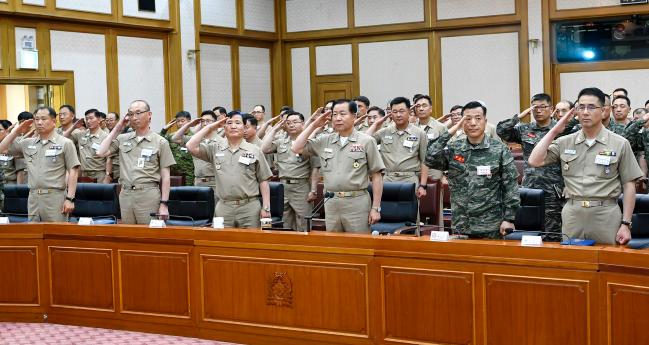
276,199
96,199
531,215
15,198
195,202
398,202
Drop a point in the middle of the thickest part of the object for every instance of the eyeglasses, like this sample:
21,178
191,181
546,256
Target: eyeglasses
207,121
589,108
458,114
542,107
137,113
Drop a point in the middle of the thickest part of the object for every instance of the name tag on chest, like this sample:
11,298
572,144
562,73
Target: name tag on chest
431,136
50,153
95,146
603,160
409,144
5,158
484,170
146,153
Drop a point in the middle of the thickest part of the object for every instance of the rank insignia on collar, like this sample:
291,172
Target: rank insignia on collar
531,135
459,158
356,148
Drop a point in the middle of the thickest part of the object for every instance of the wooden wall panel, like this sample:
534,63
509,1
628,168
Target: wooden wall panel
19,265
625,303
428,305
305,295
81,278
540,311
154,283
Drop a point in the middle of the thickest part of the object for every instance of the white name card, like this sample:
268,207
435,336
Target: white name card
217,222
157,223
86,221
439,236
4,220
531,241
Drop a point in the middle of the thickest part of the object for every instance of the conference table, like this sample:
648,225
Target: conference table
273,287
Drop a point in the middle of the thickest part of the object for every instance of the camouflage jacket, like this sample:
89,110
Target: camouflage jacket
573,126
638,136
528,135
184,162
480,202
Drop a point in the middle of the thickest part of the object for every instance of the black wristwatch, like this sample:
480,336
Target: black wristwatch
424,186
164,202
626,223
70,199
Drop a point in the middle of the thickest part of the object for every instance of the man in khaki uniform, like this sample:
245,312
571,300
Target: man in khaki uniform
67,118
403,147
432,127
7,160
203,171
145,158
88,141
52,166
298,174
348,159
597,165
241,173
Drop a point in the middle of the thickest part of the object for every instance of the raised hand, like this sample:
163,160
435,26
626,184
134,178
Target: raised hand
526,112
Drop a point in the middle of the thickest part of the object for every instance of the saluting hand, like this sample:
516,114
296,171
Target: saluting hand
360,119
456,126
526,112
444,118
561,124
170,124
80,123
24,127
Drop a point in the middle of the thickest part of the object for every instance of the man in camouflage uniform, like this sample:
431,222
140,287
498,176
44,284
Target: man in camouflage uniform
547,178
481,175
638,135
184,161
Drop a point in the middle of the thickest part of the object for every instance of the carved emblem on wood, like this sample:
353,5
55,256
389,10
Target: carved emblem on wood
280,290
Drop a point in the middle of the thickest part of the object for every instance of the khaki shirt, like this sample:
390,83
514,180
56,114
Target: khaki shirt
10,163
270,158
583,175
433,130
346,167
202,168
48,161
402,151
141,162
239,173
289,164
87,145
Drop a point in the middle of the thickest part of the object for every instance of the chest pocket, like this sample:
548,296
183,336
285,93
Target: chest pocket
357,160
30,154
126,148
54,158
456,169
387,144
325,161
152,160
608,171
568,165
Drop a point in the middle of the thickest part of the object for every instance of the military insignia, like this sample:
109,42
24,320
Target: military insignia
299,158
280,290
248,155
356,148
566,167
412,138
531,135
608,153
356,165
459,158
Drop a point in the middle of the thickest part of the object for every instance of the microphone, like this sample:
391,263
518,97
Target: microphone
158,215
455,233
570,240
316,209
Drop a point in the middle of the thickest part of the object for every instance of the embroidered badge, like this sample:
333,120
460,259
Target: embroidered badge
356,148
459,158
531,135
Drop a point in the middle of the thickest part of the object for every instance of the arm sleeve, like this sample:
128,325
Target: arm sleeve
423,146
437,153
508,131
633,135
206,152
166,157
113,149
511,198
374,160
378,134
263,170
70,152
554,152
628,167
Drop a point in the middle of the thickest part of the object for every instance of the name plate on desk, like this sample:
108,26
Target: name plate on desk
217,223
86,221
439,236
531,241
157,223
4,220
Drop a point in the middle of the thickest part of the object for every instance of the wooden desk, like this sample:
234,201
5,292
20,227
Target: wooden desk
257,287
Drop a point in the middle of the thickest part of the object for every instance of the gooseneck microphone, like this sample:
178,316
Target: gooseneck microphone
316,210
570,240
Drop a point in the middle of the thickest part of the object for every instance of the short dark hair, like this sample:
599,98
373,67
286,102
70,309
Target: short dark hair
91,111
116,114
50,111
593,91
455,107
628,101
294,113
399,100
363,99
70,108
5,124
542,97
640,111
381,111
351,105
260,105
220,110
249,119
474,105
645,103
570,104
626,93
184,114
426,97
415,97
234,113
285,108
210,113
101,115
25,115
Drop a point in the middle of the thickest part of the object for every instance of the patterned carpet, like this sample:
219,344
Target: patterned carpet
53,334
